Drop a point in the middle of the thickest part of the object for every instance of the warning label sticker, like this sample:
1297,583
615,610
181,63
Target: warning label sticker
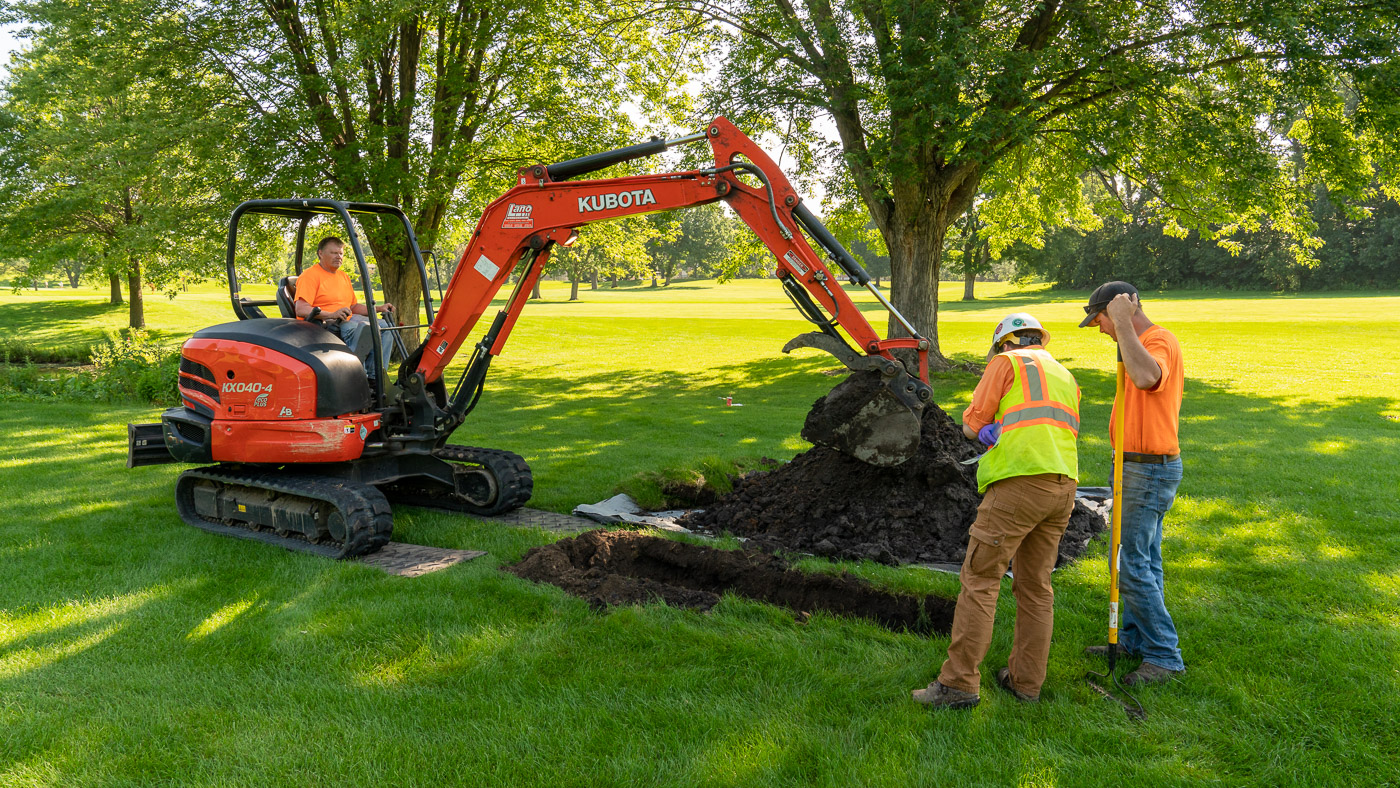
796,263
486,268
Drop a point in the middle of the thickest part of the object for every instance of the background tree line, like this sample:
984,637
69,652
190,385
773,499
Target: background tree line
1360,249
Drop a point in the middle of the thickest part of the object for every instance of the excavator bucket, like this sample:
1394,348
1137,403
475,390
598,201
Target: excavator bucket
874,415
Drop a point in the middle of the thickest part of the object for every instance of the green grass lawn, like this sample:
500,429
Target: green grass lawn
135,650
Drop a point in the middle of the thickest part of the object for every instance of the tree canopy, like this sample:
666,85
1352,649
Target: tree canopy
110,132
433,105
933,103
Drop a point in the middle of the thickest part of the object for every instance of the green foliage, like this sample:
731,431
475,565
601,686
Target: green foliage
433,106
127,367
696,241
616,248
1233,112
109,132
1356,252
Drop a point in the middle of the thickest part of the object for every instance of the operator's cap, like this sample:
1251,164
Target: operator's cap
1098,301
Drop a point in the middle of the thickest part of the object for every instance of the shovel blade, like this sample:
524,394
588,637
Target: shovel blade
862,418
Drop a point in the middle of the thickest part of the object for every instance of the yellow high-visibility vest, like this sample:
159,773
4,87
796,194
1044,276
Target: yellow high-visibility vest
1039,418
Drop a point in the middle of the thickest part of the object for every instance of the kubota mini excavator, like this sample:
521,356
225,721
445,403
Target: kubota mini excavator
308,452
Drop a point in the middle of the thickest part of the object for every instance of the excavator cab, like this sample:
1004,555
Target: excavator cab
387,344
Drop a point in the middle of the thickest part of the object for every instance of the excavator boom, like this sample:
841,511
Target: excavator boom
546,209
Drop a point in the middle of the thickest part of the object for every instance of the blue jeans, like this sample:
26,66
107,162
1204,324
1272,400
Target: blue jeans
1147,628
355,333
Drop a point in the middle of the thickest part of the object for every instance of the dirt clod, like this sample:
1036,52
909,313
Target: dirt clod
826,503
609,568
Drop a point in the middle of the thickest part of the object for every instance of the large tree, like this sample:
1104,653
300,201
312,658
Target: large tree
930,100
431,105
695,240
109,126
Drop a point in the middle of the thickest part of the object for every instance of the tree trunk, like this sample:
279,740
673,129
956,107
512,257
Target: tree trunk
73,277
595,279
398,273
116,282
653,279
535,293
968,279
138,299
668,279
573,287
915,256
614,280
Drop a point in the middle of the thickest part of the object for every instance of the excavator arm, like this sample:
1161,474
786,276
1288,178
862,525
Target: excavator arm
546,209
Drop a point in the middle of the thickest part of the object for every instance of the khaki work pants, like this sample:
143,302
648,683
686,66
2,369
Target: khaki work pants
1022,517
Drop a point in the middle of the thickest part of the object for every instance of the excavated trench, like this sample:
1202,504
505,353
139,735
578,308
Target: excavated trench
609,568
822,502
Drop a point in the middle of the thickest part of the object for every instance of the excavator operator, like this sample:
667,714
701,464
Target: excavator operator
325,293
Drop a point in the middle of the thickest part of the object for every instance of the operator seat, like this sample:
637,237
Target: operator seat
287,296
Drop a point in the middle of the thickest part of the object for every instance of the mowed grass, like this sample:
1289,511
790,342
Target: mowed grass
136,650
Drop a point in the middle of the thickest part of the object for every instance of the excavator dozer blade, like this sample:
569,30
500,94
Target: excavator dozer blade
874,415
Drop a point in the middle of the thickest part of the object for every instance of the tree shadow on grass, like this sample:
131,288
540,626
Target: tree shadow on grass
19,318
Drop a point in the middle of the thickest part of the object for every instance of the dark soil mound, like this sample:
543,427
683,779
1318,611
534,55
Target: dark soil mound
832,505
622,567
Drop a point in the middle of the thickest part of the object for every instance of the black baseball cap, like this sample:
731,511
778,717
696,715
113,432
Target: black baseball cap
1100,298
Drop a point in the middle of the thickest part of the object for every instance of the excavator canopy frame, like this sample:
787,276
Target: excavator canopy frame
303,210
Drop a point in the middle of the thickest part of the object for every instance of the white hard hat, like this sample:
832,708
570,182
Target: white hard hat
1018,321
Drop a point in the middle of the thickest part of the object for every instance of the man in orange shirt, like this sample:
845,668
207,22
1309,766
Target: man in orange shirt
1151,473
325,293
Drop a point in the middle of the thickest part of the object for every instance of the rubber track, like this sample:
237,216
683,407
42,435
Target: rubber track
365,509
514,483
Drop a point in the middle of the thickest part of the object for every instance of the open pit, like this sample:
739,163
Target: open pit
823,503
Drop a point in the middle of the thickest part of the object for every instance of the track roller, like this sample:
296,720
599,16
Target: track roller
311,514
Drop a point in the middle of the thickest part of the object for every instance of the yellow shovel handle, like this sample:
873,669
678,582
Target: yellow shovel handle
1115,542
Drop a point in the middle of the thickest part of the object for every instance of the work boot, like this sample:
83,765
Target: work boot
1004,681
1147,673
1101,650
941,697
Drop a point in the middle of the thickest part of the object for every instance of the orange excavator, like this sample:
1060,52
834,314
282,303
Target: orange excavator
304,449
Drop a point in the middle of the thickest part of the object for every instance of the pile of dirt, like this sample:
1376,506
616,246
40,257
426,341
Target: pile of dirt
826,503
609,568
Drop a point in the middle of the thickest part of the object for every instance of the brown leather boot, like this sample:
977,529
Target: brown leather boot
1004,681
942,697
1147,673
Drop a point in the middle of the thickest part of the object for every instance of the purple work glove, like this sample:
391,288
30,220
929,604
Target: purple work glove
990,434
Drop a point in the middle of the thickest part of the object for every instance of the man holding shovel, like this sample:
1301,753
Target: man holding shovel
1149,407
1026,408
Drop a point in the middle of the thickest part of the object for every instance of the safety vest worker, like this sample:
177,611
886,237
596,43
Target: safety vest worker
1026,407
